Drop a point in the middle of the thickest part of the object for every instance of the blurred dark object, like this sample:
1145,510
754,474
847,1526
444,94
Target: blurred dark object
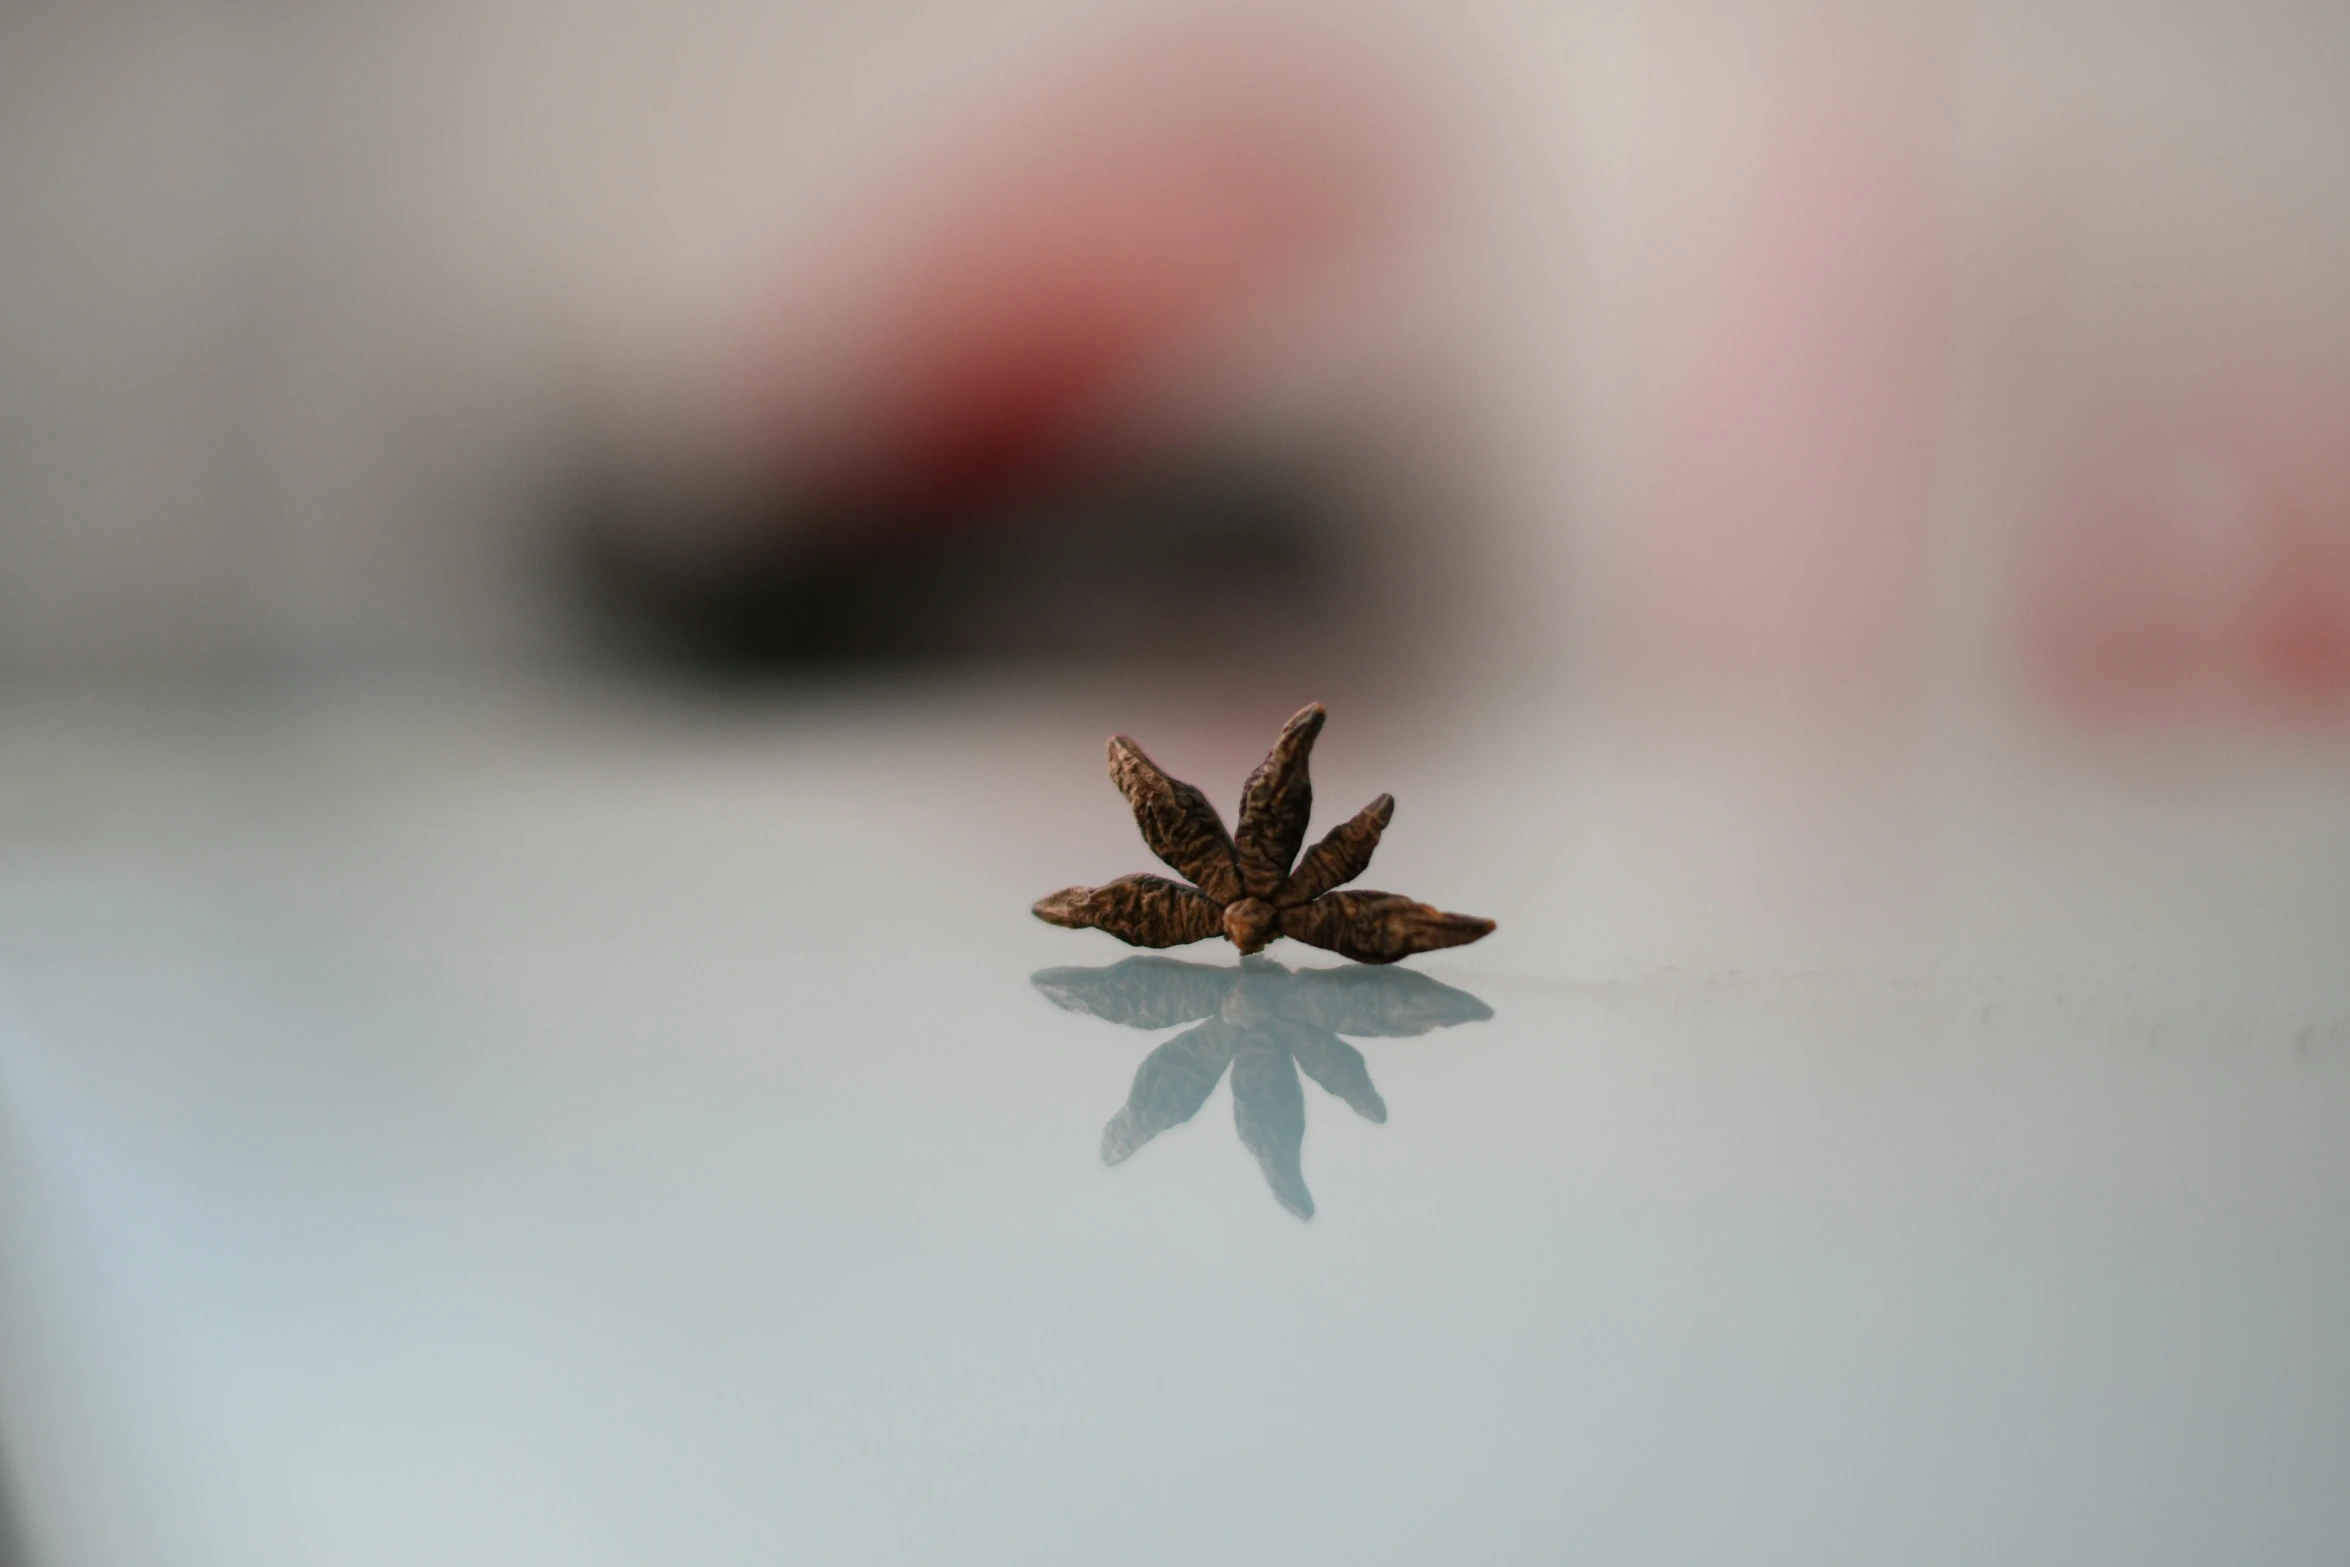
1015,415
1172,557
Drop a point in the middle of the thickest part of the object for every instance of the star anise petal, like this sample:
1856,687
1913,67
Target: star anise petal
1343,854
1275,805
1177,821
1170,1086
1140,910
1378,927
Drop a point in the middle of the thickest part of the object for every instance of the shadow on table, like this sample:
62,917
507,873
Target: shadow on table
1267,1024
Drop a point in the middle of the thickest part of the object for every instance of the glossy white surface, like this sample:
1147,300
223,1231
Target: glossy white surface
551,1129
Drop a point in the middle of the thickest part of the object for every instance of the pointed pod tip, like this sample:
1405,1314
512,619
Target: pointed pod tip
1130,766
1062,908
1466,928
1310,715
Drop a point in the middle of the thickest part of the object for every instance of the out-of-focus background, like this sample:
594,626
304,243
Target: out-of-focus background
564,570
1927,347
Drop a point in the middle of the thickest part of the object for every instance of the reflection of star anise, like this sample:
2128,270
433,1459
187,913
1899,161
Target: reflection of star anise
1243,887
1267,1024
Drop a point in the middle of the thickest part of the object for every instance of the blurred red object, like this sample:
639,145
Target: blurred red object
2204,555
1022,300
975,422
1793,316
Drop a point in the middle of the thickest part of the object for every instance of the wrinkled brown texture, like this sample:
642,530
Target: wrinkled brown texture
1275,805
1250,923
1378,927
1140,910
1246,890
1177,821
1343,854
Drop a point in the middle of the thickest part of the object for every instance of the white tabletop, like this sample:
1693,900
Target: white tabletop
548,1127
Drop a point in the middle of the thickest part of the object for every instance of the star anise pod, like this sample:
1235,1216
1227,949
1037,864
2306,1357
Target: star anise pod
1243,886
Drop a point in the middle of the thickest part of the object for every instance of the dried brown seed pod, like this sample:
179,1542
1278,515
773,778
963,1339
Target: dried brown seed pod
1141,911
1379,927
1343,854
1244,887
1275,804
1177,821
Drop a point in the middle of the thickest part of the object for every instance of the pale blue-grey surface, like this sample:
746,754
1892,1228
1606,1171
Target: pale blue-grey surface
527,1129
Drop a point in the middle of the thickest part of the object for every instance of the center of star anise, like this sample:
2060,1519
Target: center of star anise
1250,924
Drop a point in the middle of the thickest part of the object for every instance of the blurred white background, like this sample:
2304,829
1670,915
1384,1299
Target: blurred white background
2000,346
